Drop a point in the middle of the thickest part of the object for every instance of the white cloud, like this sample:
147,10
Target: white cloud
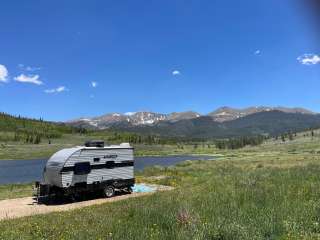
94,84
257,52
29,79
309,59
3,74
62,89
28,68
56,90
176,72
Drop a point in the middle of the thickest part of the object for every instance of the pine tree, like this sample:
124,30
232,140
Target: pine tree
290,136
37,139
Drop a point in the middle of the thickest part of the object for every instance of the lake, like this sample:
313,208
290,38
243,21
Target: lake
25,171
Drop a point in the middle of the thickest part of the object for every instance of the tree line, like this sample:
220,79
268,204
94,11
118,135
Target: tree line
291,135
236,143
135,138
17,128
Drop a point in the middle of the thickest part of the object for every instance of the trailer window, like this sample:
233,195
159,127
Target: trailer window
82,168
110,164
96,159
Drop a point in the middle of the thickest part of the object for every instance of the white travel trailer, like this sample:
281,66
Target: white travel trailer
90,168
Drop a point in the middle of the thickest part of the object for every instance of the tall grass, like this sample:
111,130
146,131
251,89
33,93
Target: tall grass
212,200
15,190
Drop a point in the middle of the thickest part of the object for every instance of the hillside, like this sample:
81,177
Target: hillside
20,127
131,118
222,114
23,138
274,123
187,125
265,192
270,122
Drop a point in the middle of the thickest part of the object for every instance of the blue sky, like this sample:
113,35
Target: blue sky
162,56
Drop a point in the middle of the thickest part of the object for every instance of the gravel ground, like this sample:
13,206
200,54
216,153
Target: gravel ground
20,207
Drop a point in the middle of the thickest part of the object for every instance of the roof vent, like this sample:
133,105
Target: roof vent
94,143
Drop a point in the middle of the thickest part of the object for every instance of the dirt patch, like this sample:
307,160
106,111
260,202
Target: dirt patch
21,207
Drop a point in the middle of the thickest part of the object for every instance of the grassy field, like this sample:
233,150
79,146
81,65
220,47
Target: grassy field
266,192
15,190
20,150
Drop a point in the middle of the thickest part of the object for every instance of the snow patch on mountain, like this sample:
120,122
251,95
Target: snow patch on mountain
222,114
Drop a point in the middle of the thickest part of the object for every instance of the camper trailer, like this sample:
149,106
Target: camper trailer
89,168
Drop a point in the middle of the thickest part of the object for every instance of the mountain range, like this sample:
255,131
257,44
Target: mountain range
143,118
221,123
131,118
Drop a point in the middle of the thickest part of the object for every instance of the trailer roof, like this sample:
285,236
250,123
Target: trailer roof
62,155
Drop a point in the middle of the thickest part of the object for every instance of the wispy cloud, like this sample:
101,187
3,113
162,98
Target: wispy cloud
309,59
257,52
94,84
56,90
176,72
3,73
34,79
28,68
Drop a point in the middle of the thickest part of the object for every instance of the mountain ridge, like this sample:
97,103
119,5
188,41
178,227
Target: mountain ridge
227,113
271,123
147,118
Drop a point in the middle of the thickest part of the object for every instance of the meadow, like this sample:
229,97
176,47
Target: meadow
266,192
22,138
9,191
20,150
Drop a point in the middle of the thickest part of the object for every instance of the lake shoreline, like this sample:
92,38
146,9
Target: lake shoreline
19,171
145,155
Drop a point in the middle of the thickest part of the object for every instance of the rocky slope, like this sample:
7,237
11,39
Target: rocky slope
131,118
144,118
224,114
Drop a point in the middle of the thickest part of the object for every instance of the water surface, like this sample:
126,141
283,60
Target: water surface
24,171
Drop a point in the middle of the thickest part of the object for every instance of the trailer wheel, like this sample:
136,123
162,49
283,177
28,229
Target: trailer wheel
109,191
129,190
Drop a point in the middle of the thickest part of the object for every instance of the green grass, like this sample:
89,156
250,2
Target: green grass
15,190
21,151
212,200
266,192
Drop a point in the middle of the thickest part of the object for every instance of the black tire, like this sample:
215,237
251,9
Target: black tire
109,191
129,190
79,196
